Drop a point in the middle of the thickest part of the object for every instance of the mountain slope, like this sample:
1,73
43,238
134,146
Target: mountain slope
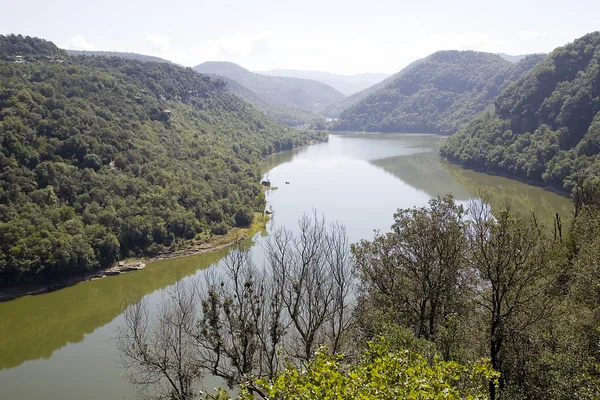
545,127
102,158
346,84
437,95
128,56
336,109
289,115
303,93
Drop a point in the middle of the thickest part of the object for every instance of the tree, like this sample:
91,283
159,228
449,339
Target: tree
416,271
158,351
245,323
512,259
381,373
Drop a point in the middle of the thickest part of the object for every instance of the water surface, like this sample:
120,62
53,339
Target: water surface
59,345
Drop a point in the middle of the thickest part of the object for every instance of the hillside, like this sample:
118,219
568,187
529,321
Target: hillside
346,84
438,95
511,58
103,158
545,127
129,56
310,95
334,110
288,115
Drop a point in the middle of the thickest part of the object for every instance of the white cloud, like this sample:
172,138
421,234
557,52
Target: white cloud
532,34
159,43
78,42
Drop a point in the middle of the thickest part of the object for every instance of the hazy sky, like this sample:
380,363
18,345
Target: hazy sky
337,36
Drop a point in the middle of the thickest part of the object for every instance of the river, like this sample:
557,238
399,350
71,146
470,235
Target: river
59,345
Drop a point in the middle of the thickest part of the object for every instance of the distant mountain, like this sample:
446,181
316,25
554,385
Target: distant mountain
346,84
289,115
283,91
334,110
545,128
514,59
128,56
438,94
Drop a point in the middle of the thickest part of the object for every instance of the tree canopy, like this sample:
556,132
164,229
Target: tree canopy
102,158
545,127
438,94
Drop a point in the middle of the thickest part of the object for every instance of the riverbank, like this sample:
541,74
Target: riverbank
129,265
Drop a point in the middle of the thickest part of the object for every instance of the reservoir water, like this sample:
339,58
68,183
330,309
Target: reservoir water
60,345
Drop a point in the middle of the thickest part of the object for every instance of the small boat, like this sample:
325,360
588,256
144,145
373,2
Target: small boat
287,183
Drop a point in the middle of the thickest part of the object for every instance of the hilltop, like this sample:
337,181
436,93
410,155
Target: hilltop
545,127
303,93
346,84
128,56
438,94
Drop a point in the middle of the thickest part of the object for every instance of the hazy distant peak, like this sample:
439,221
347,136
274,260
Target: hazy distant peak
221,66
346,84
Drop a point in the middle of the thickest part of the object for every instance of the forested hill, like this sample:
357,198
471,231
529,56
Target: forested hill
346,84
290,115
546,126
102,158
440,94
336,109
129,56
274,90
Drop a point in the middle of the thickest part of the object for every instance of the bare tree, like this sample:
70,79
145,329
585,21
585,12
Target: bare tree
313,271
158,351
239,331
245,323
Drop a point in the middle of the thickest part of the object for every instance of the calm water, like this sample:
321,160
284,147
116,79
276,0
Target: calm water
59,346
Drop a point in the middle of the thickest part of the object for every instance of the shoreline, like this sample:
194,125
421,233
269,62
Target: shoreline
128,265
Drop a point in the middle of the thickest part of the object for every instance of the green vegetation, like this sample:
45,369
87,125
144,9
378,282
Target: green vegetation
128,56
346,84
438,94
545,128
382,373
286,114
337,108
447,287
102,158
303,93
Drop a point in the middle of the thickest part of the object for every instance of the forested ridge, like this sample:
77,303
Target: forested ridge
545,127
438,94
120,54
286,114
102,158
337,108
276,90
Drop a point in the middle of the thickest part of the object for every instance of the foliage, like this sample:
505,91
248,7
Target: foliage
381,373
129,56
545,127
439,94
286,114
413,273
246,323
335,109
102,158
